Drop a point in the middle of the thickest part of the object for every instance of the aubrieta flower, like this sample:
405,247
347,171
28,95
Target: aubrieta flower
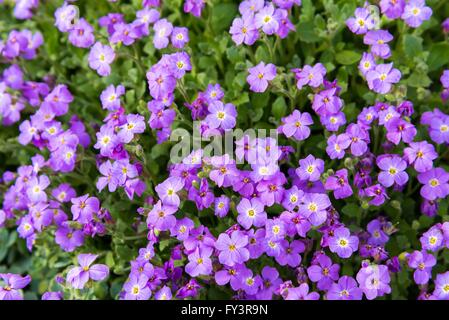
221,206
136,288
378,42
382,77
264,19
162,216
342,243
421,155
251,212
392,9
260,75
100,58
68,238
314,206
367,63
323,271
301,293
65,17
296,125
221,115
77,277
345,289
361,22
310,75
422,262
162,31
399,129
243,30
199,262
435,183
110,97
167,191
442,286
339,184
357,138
12,285
82,34
374,281
416,12
179,37
232,248
432,239
393,170
84,207
310,169
336,145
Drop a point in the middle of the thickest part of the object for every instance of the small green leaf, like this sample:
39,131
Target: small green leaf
348,57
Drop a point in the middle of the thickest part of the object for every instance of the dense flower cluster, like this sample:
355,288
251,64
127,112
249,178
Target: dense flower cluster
324,210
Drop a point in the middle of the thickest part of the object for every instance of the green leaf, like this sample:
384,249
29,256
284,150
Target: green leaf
279,108
306,32
439,56
348,57
352,210
222,15
412,45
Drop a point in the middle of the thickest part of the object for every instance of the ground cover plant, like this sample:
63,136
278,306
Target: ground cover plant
285,149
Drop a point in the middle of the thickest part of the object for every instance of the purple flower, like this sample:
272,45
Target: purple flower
67,238
179,37
342,243
308,75
265,20
251,212
78,276
136,288
378,40
423,263
59,99
199,262
339,184
336,145
82,34
416,12
378,235
435,184
433,239
367,63
162,216
55,295
221,206
398,129
65,17
84,207
244,31
439,129
378,192
221,115
345,289
381,78
232,248
36,189
100,58
314,207
162,30
296,125
260,75
421,155
310,169
358,139
392,167
110,97
224,171
270,283
167,191
361,22
135,123
323,272
12,285
374,281
392,9
301,293
442,286
163,294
